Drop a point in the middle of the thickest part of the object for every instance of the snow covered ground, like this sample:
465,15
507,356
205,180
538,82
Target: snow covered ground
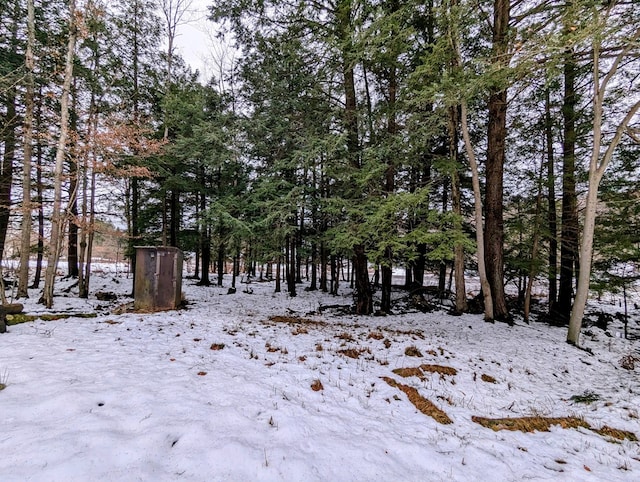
257,386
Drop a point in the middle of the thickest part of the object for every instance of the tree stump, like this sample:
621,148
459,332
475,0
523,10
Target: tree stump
3,320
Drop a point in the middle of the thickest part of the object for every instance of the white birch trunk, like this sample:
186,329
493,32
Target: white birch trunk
597,167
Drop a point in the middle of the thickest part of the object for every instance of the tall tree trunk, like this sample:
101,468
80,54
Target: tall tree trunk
205,234
475,179
175,218
477,195
84,293
323,268
533,272
25,240
494,190
278,288
9,138
72,205
389,187
597,167
221,262
40,204
456,204
364,303
291,264
551,201
344,12
57,219
570,228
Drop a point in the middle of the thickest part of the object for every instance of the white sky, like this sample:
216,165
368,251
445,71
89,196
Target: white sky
195,41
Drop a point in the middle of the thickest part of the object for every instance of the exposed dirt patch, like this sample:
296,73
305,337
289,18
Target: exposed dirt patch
217,346
317,386
422,404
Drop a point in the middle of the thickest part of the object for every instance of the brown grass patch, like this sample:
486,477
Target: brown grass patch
316,386
353,352
617,434
295,320
413,351
202,373
487,378
217,346
422,404
529,424
345,336
376,335
111,322
543,424
442,370
409,372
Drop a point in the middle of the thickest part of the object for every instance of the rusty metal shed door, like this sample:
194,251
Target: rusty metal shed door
166,279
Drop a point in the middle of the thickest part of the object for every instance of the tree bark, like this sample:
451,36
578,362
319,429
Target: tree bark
597,168
57,220
475,179
456,204
8,131
25,240
40,203
363,295
551,213
570,230
494,190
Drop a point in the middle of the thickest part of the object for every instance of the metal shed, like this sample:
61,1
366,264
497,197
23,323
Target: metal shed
158,278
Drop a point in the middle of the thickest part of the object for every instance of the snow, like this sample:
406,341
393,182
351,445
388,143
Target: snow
147,397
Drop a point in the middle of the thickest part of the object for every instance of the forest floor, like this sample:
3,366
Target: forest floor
263,387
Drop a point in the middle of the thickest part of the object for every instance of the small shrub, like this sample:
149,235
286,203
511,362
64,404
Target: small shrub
587,397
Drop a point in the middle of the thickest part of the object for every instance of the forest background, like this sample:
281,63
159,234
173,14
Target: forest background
460,137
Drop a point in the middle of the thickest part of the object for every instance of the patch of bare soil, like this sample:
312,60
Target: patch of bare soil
422,404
